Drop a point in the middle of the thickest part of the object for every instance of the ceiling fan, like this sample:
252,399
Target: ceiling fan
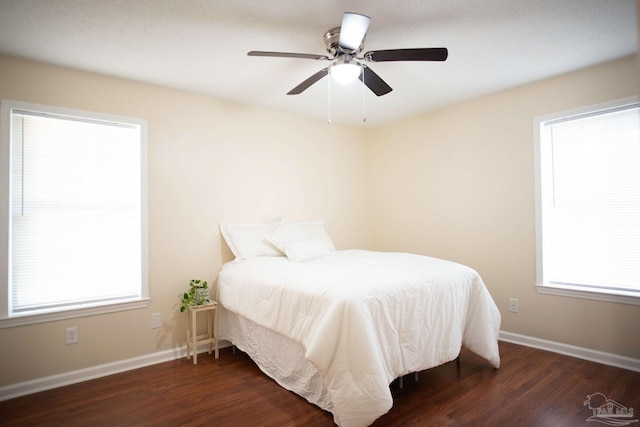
344,44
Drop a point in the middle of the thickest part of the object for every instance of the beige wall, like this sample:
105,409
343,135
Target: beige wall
456,184
459,184
209,161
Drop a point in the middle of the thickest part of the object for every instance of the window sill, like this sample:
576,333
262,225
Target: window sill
70,314
575,291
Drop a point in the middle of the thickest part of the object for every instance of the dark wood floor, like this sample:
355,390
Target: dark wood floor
532,388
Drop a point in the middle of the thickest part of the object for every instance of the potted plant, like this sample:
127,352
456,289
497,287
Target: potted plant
198,294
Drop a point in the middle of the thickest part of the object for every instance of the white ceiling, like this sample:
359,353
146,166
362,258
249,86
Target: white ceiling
201,46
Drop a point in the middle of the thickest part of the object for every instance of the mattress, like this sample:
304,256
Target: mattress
361,319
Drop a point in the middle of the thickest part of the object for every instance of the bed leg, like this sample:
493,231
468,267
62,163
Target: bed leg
401,383
458,361
415,376
233,349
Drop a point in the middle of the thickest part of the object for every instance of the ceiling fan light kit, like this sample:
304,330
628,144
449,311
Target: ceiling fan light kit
345,70
344,44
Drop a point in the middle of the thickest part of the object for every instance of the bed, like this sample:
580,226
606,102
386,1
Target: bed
337,327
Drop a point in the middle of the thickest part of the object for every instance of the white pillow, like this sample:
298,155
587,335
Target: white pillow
248,240
306,250
298,243
317,231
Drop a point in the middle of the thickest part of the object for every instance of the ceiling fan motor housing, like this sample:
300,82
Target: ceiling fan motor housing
332,43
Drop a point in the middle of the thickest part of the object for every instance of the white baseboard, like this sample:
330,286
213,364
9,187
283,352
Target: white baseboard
66,378
59,380
574,351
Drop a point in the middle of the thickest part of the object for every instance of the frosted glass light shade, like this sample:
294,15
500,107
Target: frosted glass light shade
345,72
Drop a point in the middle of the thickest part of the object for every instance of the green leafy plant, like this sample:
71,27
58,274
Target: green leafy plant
198,294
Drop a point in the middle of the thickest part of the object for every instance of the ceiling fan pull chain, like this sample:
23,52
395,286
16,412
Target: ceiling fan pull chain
364,105
329,98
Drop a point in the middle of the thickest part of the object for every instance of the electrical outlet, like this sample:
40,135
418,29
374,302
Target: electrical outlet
156,321
72,335
513,305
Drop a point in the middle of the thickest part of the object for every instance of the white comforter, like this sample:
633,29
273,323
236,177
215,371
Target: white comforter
366,318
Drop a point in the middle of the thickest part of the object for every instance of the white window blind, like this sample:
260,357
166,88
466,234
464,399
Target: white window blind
76,212
590,200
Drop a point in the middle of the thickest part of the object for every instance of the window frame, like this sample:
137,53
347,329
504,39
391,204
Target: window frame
6,320
571,290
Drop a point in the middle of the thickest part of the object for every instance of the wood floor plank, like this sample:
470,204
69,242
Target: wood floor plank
531,388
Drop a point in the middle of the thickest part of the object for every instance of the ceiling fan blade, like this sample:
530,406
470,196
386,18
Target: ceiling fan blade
374,81
352,31
424,54
286,55
311,80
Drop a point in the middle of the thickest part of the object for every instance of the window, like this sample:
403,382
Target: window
588,202
74,209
